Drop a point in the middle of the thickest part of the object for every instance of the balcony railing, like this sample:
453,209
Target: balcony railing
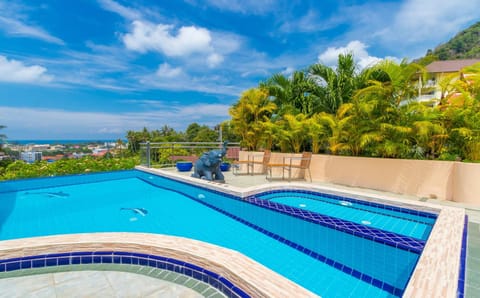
165,154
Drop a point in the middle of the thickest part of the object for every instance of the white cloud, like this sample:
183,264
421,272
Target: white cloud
166,71
419,20
258,7
357,48
287,71
214,59
16,72
181,81
149,37
407,28
312,21
15,27
127,13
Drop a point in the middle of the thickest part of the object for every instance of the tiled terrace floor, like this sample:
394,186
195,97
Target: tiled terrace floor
473,247
92,283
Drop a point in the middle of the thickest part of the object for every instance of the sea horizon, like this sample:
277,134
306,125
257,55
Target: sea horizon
60,141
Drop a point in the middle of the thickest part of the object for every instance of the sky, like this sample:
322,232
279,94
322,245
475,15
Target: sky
94,69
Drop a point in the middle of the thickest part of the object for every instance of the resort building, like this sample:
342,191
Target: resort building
437,71
31,156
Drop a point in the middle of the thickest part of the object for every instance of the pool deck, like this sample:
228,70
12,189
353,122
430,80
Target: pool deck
100,284
436,274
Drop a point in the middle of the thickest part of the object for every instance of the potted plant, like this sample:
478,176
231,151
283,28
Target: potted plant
184,166
225,166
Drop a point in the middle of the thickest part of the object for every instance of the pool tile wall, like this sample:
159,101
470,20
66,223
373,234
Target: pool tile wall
463,260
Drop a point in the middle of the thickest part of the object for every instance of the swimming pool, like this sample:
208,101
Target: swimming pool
306,250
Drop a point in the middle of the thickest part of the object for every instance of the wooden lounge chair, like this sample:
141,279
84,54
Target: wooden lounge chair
290,163
251,162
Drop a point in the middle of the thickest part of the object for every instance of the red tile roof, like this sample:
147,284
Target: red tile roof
450,65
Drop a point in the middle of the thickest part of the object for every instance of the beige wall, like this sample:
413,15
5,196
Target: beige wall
444,180
466,183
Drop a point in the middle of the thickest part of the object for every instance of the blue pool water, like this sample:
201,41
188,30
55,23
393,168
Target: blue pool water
326,261
356,211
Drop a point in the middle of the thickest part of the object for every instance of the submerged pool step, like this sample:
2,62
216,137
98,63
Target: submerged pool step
389,238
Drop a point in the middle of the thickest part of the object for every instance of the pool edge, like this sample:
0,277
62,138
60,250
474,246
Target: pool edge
257,281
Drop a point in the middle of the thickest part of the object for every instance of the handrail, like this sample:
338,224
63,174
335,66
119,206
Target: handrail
171,146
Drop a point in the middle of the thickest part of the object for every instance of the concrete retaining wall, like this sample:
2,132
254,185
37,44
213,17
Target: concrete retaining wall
444,180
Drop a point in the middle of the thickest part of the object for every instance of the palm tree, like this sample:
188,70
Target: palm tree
294,131
248,115
293,95
336,86
390,86
461,113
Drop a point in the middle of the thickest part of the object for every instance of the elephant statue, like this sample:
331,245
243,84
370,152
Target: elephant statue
208,165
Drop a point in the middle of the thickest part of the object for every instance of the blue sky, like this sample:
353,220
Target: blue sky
93,69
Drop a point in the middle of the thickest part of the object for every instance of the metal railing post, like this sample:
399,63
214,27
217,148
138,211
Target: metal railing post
148,154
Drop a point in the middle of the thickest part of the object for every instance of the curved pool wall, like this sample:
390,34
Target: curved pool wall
35,183
77,259
221,268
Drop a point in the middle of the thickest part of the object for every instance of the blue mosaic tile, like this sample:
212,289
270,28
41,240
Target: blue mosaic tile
117,259
102,253
81,253
121,253
51,262
78,260
63,261
38,263
26,264
463,260
13,266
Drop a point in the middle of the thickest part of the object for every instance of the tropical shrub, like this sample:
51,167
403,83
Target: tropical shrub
20,169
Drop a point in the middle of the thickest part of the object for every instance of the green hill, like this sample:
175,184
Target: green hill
464,45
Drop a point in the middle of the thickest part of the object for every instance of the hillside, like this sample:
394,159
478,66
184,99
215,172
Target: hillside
465,44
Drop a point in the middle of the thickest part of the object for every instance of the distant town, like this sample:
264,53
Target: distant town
31,152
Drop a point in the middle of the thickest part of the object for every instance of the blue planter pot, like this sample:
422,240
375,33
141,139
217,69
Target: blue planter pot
225,166
184,166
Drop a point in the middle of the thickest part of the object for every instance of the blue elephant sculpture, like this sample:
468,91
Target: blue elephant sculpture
208,165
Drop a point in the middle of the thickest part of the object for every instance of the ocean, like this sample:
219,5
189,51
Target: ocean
63,142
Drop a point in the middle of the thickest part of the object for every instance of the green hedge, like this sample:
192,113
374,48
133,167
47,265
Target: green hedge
20,169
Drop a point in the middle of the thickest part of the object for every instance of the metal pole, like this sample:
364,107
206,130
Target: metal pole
148,154
220,137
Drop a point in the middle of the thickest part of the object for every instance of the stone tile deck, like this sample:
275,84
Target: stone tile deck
91,283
